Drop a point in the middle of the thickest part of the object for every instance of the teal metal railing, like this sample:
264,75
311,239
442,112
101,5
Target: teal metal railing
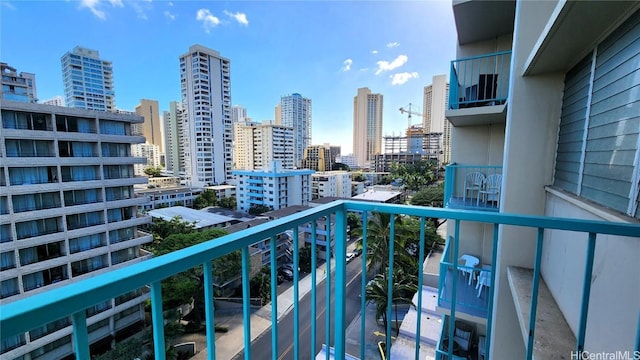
479,80
472,187
31,312
468,292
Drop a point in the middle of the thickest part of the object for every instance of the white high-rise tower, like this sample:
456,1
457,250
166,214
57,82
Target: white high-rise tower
436,101
206,96
88,80
295,112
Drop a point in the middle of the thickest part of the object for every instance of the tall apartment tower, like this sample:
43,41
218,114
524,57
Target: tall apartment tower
68,212
257,145
174,137
88,80
367,126
151,128
17,86
238,113
295,112
205,79
436,101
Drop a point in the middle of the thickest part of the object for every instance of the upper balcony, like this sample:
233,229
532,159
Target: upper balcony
478,88
329,325
472,187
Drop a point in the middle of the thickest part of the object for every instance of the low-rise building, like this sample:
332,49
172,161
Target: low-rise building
274,188
331,183
222,191
167,197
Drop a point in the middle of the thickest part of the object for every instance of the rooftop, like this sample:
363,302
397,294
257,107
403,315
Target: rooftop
202,219
377,195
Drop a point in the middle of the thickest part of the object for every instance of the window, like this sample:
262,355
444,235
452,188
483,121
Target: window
600,123
32,175
85,243
7,260
88,265
77,221
79,173
26,121
78,197
37,201
121,256
44,277
49,328
27,229
9,287
41,253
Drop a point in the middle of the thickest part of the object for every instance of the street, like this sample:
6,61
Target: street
261,348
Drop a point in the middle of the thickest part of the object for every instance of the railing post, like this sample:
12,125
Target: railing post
274,298
158,320
392,218
363,289
246,301
80,336
494,257
420,275
341,281
209,309
586,291
327,242
454,277
534,293
314,270
296,297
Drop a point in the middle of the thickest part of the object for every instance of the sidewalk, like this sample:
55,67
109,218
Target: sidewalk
231,343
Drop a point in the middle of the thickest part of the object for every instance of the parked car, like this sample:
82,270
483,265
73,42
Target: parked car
287,274
357,251
350,256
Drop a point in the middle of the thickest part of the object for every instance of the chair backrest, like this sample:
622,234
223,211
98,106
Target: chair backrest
493,181
474,178
469,260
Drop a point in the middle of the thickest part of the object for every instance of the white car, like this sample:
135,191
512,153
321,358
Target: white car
350,256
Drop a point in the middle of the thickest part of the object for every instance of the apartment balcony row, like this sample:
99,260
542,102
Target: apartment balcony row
478,88
72,300
472,187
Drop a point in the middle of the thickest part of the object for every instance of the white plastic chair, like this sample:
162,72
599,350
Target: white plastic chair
473,182
484,279
491,188
469,262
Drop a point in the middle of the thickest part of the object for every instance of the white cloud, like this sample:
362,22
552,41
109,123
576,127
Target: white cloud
396,63
374,51
393,44
170,3
208,19
8,5
169,15
347,65
140,11
95,6
401,78
239,17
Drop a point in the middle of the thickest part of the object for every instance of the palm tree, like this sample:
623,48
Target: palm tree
402,292
378,234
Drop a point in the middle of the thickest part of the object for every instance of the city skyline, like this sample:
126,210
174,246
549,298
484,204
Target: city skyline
379,45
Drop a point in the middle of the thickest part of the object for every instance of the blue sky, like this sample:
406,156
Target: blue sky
323,50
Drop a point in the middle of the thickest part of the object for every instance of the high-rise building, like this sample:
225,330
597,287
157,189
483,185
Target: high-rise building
272,186
150,152
205,80
238,113
436,100
257,145
317,157
55,101
334,150
277,114
295,112
151,128
17,86
175,143
68,213
367,126
88,80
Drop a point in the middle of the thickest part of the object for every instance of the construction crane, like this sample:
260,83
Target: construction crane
409,113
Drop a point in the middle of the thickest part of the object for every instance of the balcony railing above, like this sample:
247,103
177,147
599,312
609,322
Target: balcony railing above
479,82
472,187
39,309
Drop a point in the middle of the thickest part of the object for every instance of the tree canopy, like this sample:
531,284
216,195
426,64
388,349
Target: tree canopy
228,203
152,171
259,209
205,199
415,176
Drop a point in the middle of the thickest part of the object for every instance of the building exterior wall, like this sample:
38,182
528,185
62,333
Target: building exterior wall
149,152
367,126
238,113
68,213
258,145
17,86
295,112
317,157
276,188
151,128
88,80
175,137
206,96
435,102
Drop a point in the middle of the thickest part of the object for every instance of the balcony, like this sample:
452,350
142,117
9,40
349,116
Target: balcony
468,187
73,299
478,89
470,298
